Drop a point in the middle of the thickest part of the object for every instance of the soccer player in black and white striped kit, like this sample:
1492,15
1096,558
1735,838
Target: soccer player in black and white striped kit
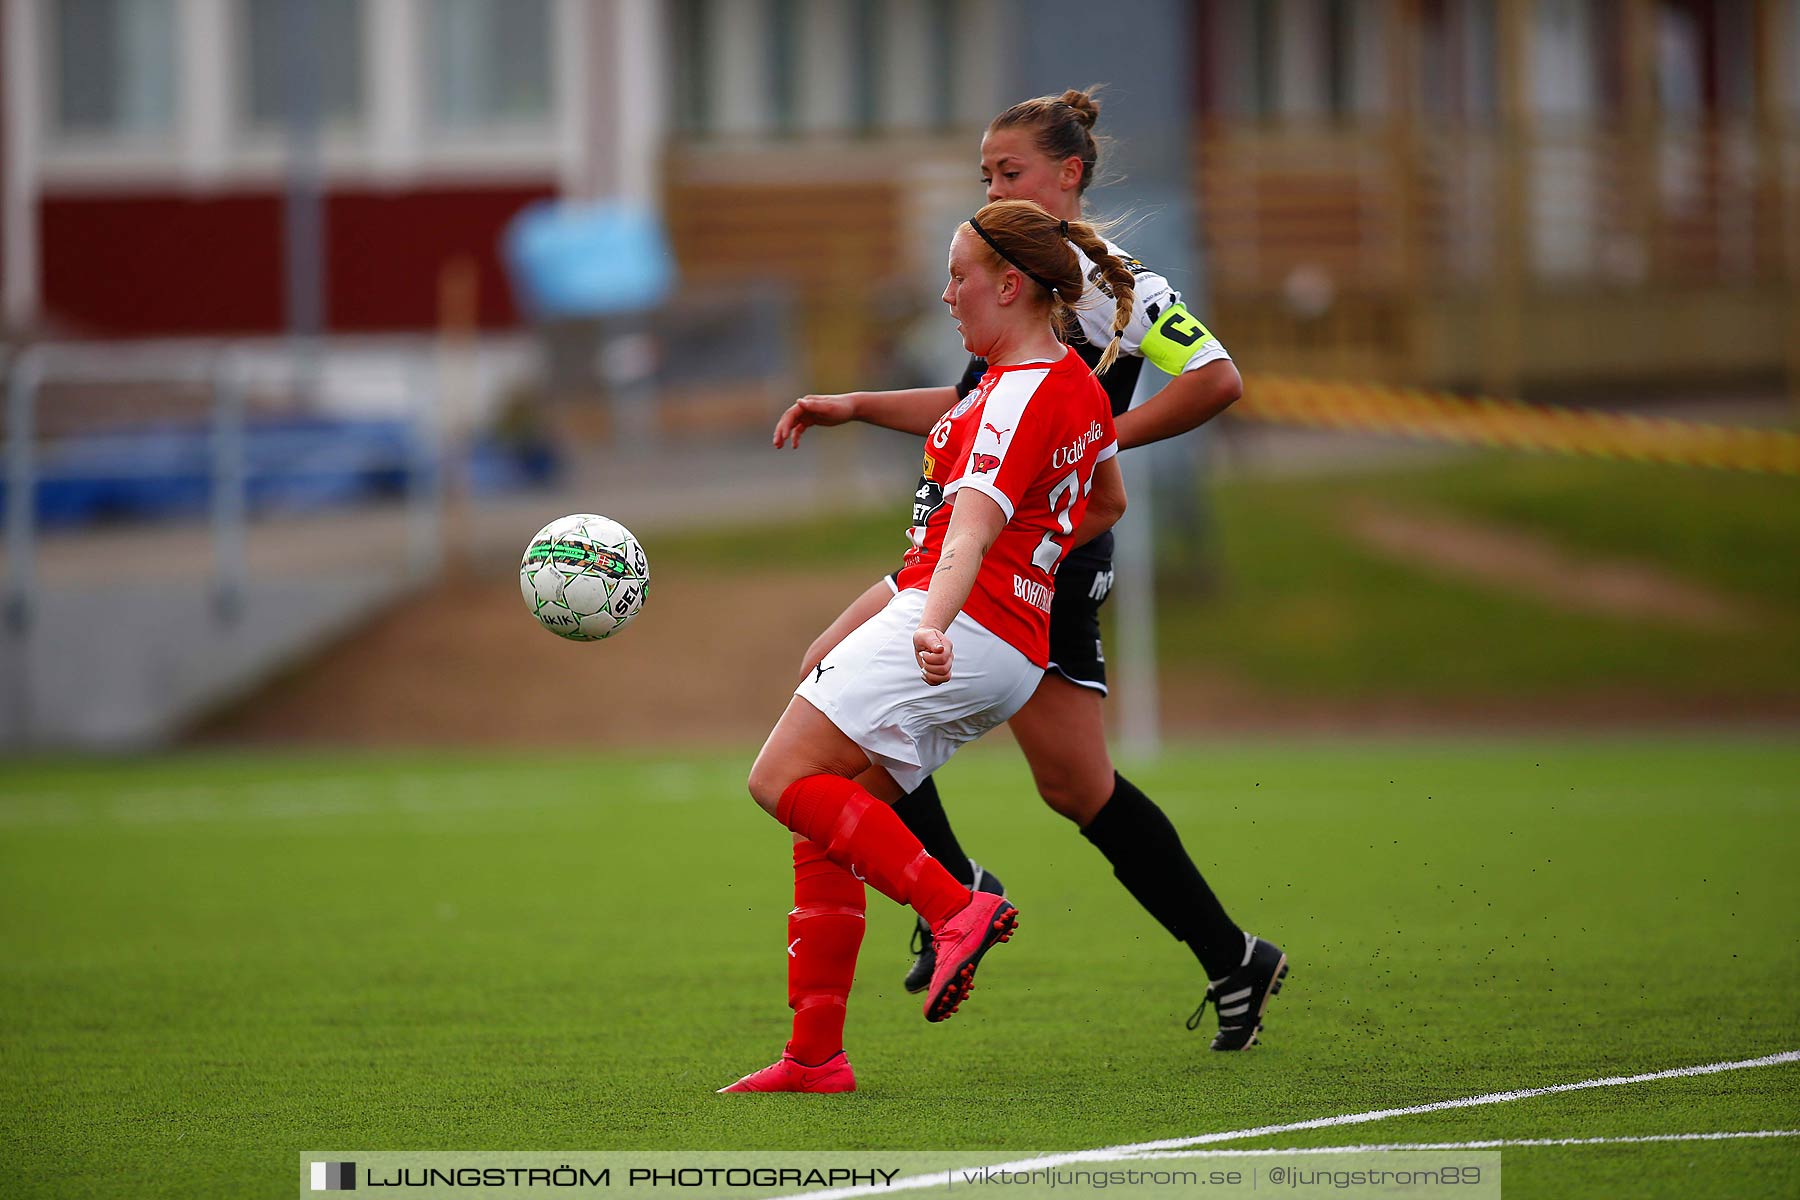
1044,149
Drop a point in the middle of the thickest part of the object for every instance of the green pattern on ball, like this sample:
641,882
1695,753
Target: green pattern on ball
573,573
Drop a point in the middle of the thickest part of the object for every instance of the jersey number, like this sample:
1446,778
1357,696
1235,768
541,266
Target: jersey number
1062,501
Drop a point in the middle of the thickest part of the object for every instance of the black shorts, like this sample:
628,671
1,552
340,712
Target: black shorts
1083,582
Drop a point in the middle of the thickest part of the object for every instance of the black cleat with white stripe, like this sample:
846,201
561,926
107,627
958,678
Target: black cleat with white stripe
1240,998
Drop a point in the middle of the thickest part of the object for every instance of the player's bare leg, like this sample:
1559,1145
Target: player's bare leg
804,743
1062,730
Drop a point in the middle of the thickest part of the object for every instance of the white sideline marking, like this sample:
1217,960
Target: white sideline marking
1490,1144
1381,1114
1112,1153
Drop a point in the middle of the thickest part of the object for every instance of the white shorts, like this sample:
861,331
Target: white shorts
870,687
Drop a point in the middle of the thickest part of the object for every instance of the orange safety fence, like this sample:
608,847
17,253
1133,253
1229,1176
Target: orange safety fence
1512,425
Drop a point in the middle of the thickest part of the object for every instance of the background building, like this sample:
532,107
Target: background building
1476,192
284,219
1486,713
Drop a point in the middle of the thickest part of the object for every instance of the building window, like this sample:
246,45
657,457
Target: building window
115,67
1340,47
1369,57
940,19
1239,47
691,36
489,62
780,68
275,33
1265,60
784,46
1458,82
865,52
1564,56
1792,74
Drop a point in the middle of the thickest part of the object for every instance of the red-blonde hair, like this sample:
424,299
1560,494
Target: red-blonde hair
1024,235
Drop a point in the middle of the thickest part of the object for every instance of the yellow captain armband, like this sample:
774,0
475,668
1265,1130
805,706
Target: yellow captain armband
1174,338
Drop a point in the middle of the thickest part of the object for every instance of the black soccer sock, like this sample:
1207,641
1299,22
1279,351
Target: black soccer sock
1148,858
921,811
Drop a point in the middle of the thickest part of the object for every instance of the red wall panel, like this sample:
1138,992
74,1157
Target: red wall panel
387,249
159,263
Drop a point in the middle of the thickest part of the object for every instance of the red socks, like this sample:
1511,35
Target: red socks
862,835
851,837
825,931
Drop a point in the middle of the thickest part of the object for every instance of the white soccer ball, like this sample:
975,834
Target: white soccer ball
584,577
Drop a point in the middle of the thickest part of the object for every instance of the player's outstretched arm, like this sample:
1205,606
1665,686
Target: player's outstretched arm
975,522
913,410
808,411
1106,503
1188,401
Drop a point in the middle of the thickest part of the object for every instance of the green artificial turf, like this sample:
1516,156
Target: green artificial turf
1733,530
209,964
1297,605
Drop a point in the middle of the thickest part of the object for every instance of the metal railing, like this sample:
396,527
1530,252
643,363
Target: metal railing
223,373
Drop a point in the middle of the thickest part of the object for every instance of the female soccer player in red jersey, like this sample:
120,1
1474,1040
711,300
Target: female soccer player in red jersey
1044,150
1022,468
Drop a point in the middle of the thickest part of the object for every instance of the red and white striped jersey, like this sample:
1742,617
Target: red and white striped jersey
1028,437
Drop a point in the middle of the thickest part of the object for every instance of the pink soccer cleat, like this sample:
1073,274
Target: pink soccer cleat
984,922
787,1075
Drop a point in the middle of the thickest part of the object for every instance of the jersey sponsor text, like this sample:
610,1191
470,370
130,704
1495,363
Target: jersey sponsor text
1075,451
1033,593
